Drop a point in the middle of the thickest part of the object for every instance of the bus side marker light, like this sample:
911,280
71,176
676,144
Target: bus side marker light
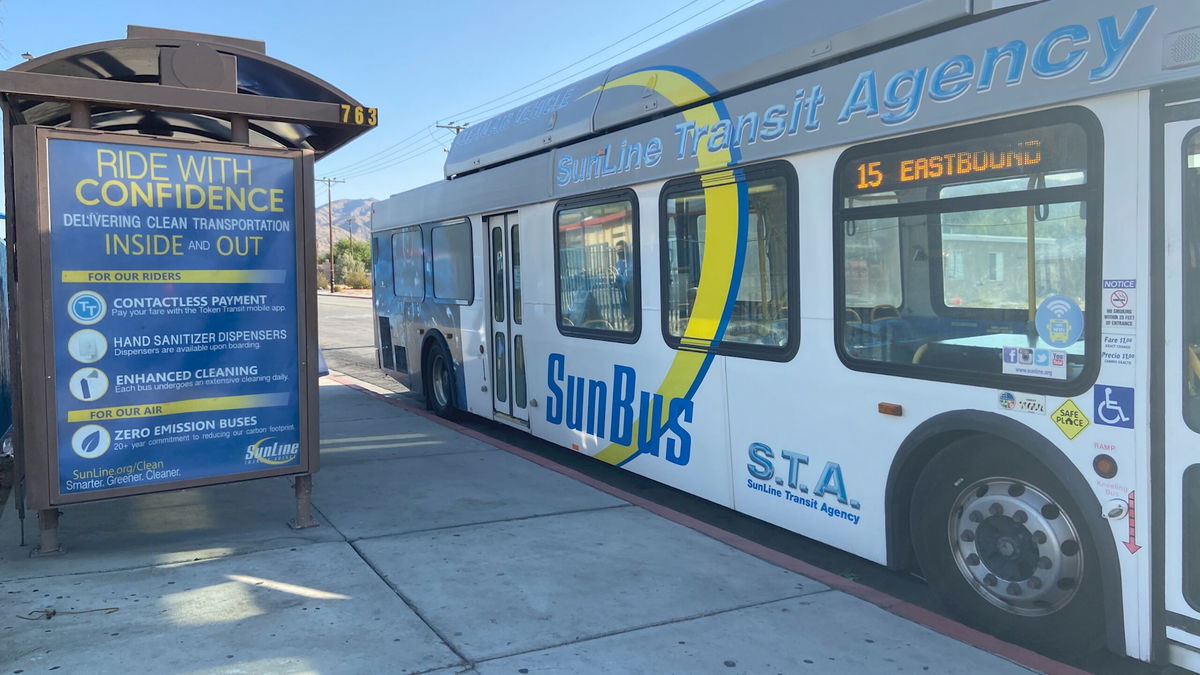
891,409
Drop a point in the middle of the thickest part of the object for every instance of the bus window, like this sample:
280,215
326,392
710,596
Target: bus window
760,320
873,263
453,275
985,253
382,263
408,262
1191,282
935,237
597,258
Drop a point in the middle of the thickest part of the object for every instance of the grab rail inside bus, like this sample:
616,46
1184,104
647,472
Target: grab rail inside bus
1193,352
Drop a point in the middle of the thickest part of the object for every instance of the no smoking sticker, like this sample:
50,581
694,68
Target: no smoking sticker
1120,314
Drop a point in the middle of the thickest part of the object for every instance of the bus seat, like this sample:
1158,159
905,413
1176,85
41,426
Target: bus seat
959,357
881,312
852,315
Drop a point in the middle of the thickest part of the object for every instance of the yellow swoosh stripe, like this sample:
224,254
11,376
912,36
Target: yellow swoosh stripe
720,248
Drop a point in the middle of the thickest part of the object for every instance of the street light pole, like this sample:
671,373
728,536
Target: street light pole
329,214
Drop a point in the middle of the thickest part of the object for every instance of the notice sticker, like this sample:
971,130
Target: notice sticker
1120,314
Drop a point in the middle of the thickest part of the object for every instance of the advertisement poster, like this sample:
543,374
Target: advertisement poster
174,313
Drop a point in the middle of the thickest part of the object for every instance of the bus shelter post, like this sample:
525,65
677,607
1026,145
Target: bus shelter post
48,534
304,518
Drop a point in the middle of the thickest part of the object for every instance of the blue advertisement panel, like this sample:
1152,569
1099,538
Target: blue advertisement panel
174,313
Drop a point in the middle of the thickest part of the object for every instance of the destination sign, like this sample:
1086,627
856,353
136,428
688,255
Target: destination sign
1040,151
174,307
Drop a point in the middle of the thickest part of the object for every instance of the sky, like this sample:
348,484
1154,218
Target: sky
420,63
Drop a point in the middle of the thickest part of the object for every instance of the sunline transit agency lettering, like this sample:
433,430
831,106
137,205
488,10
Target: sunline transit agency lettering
892,101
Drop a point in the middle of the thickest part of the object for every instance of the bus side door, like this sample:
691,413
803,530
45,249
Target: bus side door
509,392
1181,448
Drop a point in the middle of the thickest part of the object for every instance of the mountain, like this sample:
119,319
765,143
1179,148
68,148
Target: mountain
351,217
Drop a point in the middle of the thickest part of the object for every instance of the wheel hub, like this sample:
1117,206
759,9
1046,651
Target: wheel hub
1015,546
441,381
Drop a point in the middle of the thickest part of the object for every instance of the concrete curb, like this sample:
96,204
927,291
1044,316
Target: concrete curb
907,610
344,295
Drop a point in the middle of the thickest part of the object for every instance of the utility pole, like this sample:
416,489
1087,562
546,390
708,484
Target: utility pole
456,128
329,182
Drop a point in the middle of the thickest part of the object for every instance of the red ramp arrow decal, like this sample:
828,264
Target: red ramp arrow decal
1132,544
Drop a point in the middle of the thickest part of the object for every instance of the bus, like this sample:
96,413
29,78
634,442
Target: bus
945,318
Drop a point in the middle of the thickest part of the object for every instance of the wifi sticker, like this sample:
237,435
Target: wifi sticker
1059,321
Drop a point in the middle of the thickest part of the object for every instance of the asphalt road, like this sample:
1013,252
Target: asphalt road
346,336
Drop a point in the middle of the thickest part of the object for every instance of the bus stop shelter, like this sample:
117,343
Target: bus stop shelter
162,84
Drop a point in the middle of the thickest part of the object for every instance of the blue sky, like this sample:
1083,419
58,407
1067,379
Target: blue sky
420,63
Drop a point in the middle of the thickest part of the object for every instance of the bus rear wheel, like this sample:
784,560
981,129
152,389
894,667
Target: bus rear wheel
439,381
1002,545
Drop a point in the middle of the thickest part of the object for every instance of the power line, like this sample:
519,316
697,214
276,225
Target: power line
361,165
417,144
386,162
735,10
468,111
413,149
413,135
576,74
399,160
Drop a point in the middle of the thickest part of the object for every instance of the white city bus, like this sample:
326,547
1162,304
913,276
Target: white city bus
915,279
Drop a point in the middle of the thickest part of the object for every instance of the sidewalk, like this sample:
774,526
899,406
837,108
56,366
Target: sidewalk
437,552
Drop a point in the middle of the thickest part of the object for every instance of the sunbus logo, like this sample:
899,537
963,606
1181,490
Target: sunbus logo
274,454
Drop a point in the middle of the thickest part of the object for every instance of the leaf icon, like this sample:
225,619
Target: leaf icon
90,442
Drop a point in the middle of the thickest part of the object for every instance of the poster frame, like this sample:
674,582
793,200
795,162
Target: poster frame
31,182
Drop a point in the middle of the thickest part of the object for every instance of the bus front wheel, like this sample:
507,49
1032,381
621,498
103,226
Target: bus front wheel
439,381
1007,551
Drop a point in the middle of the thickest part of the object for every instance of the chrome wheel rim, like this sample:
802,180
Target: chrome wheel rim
1016,546
440,380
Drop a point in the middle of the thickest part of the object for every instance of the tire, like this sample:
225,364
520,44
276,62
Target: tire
438,377
1005,549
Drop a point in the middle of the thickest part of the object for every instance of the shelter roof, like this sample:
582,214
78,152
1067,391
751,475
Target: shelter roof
186,64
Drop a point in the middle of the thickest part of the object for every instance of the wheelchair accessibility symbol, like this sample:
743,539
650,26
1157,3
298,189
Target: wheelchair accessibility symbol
1113,406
